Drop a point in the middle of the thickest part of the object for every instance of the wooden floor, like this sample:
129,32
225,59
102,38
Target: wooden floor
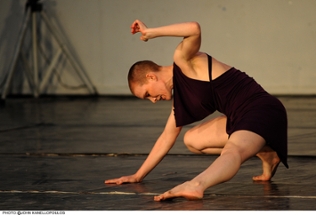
57,152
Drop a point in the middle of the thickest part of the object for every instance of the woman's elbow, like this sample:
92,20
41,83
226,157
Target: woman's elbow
196,28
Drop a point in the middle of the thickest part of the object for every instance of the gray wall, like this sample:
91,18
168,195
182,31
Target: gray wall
272,40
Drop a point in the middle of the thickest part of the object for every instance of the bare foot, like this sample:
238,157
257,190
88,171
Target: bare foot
270,162
188,190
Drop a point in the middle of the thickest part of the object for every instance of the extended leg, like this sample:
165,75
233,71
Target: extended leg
241,146
210,137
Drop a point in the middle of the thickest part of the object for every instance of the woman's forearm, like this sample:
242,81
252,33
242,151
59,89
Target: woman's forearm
185,29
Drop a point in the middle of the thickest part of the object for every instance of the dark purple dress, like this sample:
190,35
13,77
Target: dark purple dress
245,103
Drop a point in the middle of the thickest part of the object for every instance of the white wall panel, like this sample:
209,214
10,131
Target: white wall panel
272,40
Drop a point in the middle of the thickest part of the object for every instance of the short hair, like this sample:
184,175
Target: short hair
137,72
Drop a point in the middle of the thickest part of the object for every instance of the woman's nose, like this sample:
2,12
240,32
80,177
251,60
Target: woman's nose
153,99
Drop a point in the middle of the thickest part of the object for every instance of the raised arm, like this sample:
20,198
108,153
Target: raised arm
163,144
190,31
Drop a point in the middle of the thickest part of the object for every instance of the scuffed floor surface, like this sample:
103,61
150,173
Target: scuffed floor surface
56,153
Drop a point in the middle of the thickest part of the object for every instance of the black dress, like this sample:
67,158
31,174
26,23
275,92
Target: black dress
245,103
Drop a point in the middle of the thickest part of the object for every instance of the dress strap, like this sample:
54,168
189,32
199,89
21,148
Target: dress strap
210,67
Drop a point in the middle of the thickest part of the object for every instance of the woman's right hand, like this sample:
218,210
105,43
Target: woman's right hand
139,26
123,179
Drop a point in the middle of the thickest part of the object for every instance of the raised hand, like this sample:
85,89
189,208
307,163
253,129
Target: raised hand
139,26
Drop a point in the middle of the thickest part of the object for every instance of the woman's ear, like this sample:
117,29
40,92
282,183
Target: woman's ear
151,76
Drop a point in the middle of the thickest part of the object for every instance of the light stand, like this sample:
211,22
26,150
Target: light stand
33,7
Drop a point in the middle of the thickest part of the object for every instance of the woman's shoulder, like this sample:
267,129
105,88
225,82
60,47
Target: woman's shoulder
196,67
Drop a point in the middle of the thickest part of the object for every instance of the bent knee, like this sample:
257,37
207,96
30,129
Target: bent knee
189,138
190,142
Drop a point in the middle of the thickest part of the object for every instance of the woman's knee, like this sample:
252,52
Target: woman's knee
242,151
232,150
188,138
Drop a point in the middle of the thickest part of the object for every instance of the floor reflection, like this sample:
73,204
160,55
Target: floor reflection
273,194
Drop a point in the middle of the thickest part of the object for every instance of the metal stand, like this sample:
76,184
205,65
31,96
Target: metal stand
32,9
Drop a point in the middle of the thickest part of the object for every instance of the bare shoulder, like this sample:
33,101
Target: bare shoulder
195,68
198,67
218,68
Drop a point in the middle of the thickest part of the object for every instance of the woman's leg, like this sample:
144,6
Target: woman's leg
241,146
270,162
209,137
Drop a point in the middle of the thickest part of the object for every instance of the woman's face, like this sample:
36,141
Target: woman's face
154,90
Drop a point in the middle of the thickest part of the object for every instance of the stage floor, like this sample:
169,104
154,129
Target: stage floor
56,153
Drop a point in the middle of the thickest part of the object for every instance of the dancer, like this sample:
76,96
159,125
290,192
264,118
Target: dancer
254,123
